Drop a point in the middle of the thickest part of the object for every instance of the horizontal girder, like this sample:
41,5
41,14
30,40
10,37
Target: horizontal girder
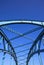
2,23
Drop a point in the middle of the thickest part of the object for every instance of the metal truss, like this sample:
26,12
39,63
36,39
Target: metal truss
34,49
10,49
36,46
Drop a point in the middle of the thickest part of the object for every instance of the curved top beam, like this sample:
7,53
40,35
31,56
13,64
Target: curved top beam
2,23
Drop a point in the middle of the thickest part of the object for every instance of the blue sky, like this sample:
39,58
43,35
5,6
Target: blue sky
22,9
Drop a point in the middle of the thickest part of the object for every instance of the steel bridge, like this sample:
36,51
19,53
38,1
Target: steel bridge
22,47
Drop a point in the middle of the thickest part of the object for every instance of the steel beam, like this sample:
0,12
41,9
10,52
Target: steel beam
9,43
2,23
34,44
